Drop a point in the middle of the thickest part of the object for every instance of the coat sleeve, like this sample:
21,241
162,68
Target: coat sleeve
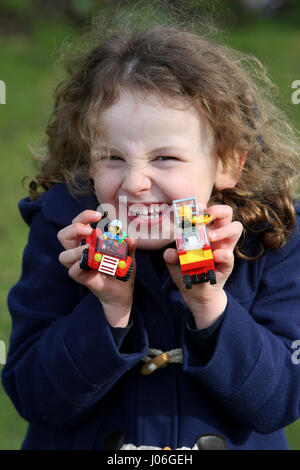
62,356
251,371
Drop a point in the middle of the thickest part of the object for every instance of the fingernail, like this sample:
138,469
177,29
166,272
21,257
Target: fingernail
212,235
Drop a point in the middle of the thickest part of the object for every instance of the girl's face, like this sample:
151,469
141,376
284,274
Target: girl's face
158,154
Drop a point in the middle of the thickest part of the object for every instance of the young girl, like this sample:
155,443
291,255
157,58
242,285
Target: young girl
144,119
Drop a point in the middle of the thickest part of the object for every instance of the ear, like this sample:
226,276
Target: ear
228,178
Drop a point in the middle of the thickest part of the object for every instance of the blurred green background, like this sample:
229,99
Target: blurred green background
32,33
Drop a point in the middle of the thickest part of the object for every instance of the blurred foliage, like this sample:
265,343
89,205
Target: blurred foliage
78,12
17,7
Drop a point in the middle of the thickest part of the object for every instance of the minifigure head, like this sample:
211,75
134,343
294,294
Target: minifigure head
115,226
185,212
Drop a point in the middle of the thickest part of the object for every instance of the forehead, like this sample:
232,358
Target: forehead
140,114
134,99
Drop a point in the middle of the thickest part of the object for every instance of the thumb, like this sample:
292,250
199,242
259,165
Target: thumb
131,252
131,246
172,261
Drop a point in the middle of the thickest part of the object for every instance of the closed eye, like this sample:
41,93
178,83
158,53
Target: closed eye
160,158
163,158
115,157
106,158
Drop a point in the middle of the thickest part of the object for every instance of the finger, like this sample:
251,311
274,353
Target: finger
222,215
229,233
131,246
132,243
87,216
224,261
171,256
224,256
69,257
172,261
89,279
69,235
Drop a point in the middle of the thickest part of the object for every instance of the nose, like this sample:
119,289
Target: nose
136,181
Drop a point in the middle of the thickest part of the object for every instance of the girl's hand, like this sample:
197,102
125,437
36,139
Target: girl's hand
115,296
206,301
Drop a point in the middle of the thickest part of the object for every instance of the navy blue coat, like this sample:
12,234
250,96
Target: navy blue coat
67,376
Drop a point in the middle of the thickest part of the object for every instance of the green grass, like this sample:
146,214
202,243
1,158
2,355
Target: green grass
30,71
276,45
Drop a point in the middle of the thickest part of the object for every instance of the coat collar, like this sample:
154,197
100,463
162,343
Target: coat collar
57,205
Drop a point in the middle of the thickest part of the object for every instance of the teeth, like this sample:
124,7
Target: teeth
138,213
150,211
155,209
150,216
144,214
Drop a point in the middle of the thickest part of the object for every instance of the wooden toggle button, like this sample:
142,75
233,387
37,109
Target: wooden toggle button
154,364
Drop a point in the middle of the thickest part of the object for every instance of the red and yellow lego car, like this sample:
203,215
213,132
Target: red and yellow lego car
106,256
194,250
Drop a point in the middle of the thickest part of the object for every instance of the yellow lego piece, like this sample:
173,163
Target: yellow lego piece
195,256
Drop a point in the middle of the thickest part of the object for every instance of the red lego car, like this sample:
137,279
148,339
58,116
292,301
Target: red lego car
106,256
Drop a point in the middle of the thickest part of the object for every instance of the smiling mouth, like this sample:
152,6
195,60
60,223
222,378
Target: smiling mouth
148,211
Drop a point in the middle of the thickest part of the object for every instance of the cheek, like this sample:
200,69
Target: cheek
202,179
191,180
197,182
105,185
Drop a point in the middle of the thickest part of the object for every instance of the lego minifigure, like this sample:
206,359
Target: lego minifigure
113,233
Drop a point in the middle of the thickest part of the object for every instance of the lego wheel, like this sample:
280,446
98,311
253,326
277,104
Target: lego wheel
127,275
84,260
199,278
212,276
187,281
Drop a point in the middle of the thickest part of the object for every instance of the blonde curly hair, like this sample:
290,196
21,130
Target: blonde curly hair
230,88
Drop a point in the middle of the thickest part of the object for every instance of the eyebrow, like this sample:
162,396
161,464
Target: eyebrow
168,148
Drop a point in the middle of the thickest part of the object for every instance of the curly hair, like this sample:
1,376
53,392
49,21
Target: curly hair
230,88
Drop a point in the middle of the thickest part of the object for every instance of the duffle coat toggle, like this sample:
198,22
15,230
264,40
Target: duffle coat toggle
156,359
